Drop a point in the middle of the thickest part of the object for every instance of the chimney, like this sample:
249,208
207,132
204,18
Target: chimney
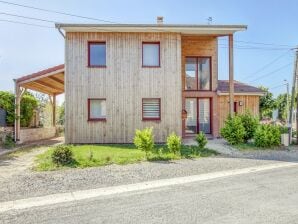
159,20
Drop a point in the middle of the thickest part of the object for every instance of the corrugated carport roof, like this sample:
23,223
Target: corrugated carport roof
49,81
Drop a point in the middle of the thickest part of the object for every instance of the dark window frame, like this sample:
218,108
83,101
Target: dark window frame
89,104
96,43
197,73
151,119
151,66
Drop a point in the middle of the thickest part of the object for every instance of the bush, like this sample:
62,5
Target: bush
233,131
250,124
62,155
9,142
7,103
267,135
174,143
201,140
28,104
144,140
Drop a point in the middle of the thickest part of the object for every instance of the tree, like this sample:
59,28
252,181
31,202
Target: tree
267,103
281,102
28,104
61,114
7,103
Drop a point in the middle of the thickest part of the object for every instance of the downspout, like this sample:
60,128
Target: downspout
59,29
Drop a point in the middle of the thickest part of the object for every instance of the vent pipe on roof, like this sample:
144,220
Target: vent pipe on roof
159,20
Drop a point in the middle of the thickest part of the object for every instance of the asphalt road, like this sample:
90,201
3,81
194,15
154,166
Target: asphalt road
269,196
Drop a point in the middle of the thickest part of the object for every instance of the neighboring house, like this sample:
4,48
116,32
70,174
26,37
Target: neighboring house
119,78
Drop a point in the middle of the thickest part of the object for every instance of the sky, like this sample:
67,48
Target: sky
262,54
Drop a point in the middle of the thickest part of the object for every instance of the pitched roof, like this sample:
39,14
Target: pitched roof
239,87
41,73
49,81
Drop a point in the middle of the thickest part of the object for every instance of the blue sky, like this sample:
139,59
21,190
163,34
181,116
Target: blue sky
26,49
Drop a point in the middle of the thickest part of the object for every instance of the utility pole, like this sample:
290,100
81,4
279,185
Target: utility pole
287,104
294,83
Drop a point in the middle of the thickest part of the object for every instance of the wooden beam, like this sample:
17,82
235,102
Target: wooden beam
56,79
231,74
49,85
41,87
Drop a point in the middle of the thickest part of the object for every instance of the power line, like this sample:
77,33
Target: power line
267,65
28,24
278,86
26,17
270,73
109,21
57,12
260,43
270,44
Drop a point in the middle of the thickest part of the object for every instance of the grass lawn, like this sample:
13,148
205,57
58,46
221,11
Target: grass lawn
100,155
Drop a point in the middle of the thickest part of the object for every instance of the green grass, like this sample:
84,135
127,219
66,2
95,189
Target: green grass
251,147
100,155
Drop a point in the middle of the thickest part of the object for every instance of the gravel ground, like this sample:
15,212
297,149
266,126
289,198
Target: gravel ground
26,183
29,183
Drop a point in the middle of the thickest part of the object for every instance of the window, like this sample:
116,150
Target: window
198,73
96,54
96,109
151,109
151,54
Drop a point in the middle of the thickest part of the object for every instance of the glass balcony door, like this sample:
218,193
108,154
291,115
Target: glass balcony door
198,115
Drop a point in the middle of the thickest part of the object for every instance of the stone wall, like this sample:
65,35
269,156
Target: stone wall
5,131
34,134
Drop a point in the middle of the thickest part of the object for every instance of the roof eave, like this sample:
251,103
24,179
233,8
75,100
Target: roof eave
183,29
220,93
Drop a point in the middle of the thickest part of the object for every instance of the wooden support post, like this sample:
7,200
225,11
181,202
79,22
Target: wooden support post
17,121
54,110
231,75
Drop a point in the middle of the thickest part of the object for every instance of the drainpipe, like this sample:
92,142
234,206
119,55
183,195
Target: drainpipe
59,29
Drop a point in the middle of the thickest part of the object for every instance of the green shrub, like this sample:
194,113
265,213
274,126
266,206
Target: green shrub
174,143
144,140
250,124
267,135
9,142
201,140
7,103
233,131
284,130
62,155
28,104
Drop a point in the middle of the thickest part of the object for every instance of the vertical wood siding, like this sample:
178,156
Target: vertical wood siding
250,103
202,46
123,83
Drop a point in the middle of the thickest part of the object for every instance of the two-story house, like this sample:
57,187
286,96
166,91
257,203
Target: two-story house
123,77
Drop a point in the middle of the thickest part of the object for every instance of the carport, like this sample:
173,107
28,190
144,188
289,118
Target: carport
49,81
